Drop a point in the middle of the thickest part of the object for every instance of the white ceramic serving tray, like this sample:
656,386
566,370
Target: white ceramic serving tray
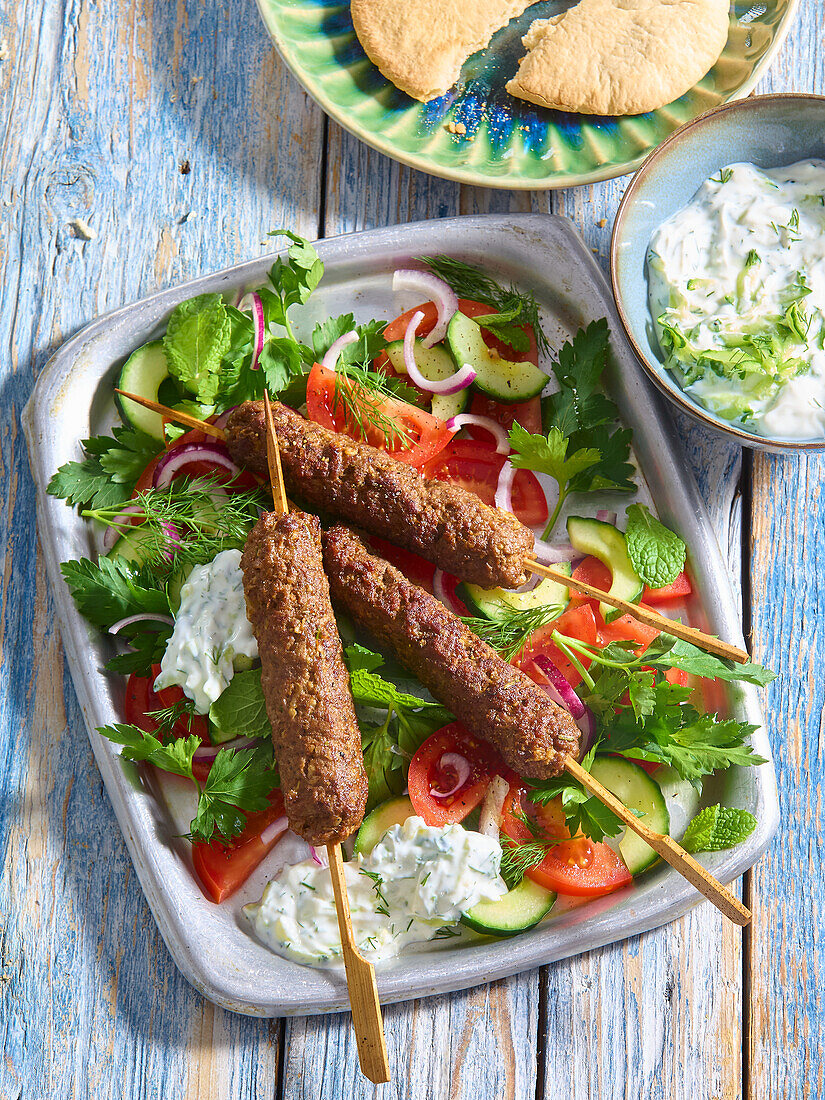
211,944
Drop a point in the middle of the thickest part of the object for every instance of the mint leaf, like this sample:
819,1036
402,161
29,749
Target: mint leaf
240,710
502,327
656,552
359,657
717,827
198,336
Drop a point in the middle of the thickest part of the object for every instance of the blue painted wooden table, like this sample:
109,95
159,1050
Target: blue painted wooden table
145,143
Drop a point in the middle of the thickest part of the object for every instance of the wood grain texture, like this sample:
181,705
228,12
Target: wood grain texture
175,134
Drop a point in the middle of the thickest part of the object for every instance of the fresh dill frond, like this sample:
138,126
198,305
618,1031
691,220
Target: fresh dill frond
446,933
511,633
469,282
167,718
185,523
362,393
517,859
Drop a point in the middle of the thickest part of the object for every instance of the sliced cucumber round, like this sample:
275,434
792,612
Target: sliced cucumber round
635,788
499,603
435,364
394,812
498,378
143,373
608,544
516,911
135,545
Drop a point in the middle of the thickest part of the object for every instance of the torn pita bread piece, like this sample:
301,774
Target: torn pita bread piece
620,57
421,46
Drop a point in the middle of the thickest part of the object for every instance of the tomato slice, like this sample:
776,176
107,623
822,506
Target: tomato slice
428,434
591,571
432,771
578,622
625,629
223,868
577,866
474,464
680,588
527,413
141,699
413,566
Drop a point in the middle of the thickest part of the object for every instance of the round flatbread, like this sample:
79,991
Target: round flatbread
421,45
620,57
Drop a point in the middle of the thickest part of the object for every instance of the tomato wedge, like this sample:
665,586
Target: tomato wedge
141,699
576,622
527,413
223,868
425,434
474,465
680,588
575,866
396,329
450,773
196,468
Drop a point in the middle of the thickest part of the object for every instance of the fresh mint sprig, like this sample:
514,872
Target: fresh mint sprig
718,827
656,553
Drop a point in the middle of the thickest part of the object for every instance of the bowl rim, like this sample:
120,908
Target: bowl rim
672,390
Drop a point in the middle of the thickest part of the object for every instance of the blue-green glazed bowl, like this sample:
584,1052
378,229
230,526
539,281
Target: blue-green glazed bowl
769,131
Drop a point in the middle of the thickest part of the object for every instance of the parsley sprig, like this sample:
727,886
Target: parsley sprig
110,467
583,450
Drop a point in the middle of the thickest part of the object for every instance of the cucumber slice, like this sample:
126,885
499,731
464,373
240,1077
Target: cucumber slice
394,812
143,373
498,603
608,544
435,364
133,546
498,378
517,911
635,788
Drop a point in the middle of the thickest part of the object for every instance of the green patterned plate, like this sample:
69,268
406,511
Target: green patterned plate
507,142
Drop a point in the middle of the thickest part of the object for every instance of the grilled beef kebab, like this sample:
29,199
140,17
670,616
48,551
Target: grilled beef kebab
495,700
304,679
372,490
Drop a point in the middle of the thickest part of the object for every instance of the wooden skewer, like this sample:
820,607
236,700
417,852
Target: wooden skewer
361,985
665,846
642,614
645,615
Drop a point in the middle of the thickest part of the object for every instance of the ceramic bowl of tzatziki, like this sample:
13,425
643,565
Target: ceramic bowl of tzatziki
718,267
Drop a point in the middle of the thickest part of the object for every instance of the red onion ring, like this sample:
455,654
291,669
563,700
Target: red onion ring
256,308
441,593
175,459
274,830
567,696
504,488
146,616
498,432
489,821
605,516
220,421
454,384
335,349
209,752
549,553
453,761
112,533
442,295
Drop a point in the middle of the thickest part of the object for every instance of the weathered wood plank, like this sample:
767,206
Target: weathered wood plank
136,119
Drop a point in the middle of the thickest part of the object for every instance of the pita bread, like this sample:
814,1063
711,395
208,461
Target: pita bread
620,57
421,46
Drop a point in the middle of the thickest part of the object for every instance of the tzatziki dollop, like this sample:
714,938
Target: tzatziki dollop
211,630
737,293
417,880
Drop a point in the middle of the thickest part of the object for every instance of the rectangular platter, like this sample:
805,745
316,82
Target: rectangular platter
210,944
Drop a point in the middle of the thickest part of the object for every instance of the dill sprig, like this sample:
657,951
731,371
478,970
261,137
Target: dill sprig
361,393
185,523
519,858
167,718
382,905
469,282
510,633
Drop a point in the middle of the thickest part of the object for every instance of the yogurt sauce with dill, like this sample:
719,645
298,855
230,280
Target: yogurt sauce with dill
737,291
211,631
413,885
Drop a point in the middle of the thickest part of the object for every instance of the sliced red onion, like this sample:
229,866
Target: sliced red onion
440,592
252,303
498,432
209,752
274,830
335,349
220,421
587,724
504,488
604,516
146,616
454,384
489,821
549,553
442,295
112,534
319,857
569,700
178,457
453,761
